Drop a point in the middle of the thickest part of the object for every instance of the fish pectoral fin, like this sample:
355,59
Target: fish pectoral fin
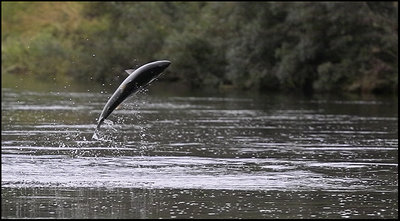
129,71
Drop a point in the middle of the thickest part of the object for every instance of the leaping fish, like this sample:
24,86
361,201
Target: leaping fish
136,80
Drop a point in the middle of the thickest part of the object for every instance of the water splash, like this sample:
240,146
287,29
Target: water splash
110,124
97,135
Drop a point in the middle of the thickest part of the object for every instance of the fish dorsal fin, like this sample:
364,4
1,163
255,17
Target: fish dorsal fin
129,71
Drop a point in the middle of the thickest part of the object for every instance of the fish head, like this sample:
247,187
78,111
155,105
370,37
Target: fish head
144,75
161,65
155,69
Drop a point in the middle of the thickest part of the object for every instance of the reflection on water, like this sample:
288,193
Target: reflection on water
198,156
59,202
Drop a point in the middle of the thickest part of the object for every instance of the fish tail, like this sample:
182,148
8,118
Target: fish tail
99,124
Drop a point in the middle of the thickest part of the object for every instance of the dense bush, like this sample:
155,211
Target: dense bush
265,46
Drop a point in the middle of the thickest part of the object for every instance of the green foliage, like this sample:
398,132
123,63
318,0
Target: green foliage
298,46
44,54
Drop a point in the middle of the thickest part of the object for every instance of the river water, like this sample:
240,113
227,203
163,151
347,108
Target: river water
198,155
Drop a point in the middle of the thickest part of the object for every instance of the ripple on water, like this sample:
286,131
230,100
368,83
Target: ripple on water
205,145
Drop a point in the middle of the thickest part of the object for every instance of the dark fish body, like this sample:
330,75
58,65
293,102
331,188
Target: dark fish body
138,79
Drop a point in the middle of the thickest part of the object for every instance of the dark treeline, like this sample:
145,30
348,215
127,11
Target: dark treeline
251,45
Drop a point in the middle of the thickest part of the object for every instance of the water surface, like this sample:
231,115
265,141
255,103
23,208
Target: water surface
198,156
